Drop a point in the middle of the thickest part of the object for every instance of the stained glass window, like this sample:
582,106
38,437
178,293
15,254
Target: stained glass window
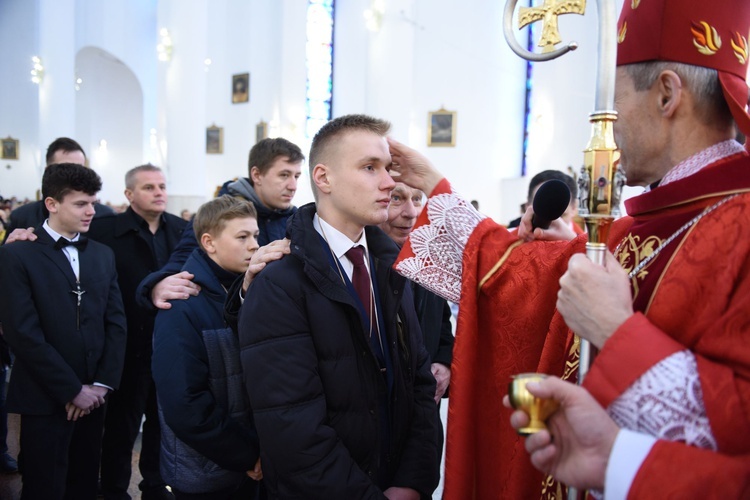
319,57
527,106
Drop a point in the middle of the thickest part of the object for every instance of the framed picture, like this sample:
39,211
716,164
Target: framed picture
441,128
261,131
214,140
10,148
240,88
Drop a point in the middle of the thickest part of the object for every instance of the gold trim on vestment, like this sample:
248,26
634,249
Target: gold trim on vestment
697,198
497,266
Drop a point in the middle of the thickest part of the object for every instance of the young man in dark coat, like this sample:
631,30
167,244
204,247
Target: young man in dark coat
274,165
142,239
332,354
65,323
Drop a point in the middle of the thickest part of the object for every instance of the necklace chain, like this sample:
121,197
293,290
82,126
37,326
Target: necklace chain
669,240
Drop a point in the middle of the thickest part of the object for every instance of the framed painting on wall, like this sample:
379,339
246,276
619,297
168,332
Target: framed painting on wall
240,88
441,128
10,148
214,140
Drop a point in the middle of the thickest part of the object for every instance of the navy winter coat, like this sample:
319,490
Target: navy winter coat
208,441
314,383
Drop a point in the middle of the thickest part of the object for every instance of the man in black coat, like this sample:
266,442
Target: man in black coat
338,378
142,239
63,319
433,312
61,150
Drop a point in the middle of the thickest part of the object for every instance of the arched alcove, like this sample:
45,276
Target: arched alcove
109,118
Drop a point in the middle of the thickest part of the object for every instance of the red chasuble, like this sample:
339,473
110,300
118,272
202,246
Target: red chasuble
694,294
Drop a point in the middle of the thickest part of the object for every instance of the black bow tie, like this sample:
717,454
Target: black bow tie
64,242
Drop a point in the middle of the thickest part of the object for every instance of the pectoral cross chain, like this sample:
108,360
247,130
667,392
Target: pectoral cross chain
79,294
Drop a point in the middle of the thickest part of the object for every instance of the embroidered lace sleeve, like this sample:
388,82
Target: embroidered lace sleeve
667,402
433,254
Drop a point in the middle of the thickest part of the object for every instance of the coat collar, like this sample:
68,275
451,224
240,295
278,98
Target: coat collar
130,221
307,245
727,176
59,258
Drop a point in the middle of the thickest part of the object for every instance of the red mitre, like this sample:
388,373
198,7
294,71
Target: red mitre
705,33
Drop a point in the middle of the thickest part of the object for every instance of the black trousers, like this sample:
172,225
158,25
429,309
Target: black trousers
3,412
59,459
135,397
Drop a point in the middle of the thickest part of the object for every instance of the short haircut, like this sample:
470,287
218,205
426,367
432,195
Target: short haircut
548,175
212,216
333,130
130,175
702,82
265,152
63,144
62,178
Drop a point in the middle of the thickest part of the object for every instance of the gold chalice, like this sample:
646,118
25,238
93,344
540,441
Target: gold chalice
538,409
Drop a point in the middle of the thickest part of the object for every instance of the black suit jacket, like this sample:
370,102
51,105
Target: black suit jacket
434,315
35,213
59,346
134,260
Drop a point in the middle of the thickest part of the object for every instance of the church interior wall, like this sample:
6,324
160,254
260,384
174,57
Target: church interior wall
19,102
427,54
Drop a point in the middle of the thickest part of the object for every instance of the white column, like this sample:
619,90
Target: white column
182,102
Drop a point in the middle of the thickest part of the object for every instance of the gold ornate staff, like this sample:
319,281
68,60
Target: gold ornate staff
597,198
599,185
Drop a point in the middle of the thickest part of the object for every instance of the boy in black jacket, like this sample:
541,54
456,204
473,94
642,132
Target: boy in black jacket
209,444
64,321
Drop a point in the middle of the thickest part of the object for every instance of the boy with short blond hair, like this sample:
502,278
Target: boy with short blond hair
197,370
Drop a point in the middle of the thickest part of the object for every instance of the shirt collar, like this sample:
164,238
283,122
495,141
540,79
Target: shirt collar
338,241
55,235
142,223
702,159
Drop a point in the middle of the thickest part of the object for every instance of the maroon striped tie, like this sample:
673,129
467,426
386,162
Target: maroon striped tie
361,278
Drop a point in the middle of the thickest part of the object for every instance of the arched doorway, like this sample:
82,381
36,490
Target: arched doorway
109,118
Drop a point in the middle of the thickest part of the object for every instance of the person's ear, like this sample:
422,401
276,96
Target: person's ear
255,175
129,195
207,242
51,204
669,92
321,176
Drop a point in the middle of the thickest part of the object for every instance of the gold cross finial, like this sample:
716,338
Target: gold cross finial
548,13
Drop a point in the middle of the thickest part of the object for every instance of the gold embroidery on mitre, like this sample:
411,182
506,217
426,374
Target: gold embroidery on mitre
705,38
623,31
632,252
634,4
740,48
